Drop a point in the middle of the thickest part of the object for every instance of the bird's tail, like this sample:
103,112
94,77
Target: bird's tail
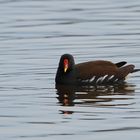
120,64
135,70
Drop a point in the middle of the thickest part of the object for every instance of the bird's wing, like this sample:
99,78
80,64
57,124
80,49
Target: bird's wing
101,68
95,68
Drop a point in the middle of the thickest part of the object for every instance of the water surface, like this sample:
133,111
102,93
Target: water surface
34,34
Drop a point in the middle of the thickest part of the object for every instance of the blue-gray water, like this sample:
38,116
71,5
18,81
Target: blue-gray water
33,35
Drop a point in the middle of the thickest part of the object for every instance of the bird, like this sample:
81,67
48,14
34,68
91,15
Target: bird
97,72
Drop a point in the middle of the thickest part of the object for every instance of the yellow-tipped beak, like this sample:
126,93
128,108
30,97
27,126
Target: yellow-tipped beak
65,68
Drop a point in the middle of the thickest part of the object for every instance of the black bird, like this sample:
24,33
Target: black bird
98,72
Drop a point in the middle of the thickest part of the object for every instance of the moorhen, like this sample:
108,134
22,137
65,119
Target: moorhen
98,72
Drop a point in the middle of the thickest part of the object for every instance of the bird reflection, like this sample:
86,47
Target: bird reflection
72,95
66,95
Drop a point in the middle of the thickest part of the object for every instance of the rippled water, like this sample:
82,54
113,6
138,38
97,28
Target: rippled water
33,35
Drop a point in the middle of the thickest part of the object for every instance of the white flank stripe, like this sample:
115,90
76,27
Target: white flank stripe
103,78
116,80
111,77
92,79
99,79
85,80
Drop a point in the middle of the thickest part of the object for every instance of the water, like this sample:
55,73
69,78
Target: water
33,36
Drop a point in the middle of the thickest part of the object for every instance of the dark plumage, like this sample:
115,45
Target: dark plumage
91,73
